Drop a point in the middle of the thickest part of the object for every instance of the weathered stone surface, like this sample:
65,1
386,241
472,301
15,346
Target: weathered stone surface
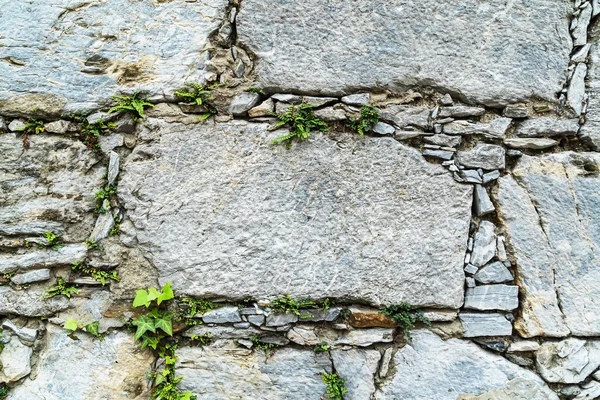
65,255
16,361
60,126
482,204
530,143
244,102
404,117
278,215
580,32
515,111
485,325
492,297
358,367
37,275
484,245
329,114
461,112
382,128
47,187
550,207
29,303
263,109
464,59
361,317
222,315
458,368
495,272
357,99
87,368
113,167
523,345
303,335
443,154
99,49
365,337
281,319
569,361
547,127
104,224
286,374
443,140
222,332
576,92
590,131
24,333
318,101
486,156
317,314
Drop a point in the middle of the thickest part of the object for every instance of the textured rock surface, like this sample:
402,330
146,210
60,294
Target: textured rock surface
358,367
99,49
550,206
282,217
457,367
87,369
485,325
16,361
455,46
569,361
590,131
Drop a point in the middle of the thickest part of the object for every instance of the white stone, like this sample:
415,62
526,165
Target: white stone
15,360
569,361
475,325
358,367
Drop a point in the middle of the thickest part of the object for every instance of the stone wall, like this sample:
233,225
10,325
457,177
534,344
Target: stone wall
475,198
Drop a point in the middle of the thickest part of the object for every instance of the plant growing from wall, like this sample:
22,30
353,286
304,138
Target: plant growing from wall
287,304
322,348
132,104
4,391
198,95
92,245
301,120
268,348
74,326
405,316
62,288
193,307
98,275
369,116
53,241
336,388
90,133
105,193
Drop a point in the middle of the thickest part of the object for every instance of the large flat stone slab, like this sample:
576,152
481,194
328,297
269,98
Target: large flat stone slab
551,207
431,368
78,54
221,213
492,53
590,131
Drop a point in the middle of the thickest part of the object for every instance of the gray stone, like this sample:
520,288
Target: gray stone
60,127
286,374
87,368
484,245
3,126
495,272
523,345
590,130
470,282
99,50
382,128
446,100
276,340
113,167
65,255
492,297
470,176
126,124
16,125
275,196
287,98
304,336
515,111
443,140
443,154
281,319
404,117
459,369
591,391
222,315
407,135
37,275
30,303
530,143
486,156
549,206
440,315
547,127
263,109
329,114
462,112
316,315
27,334
318,101
357,99
109,142
222,332
471,269
243,102
501,249
534,57
241,325
576,92
476,325
495,129
358,367
482,204
491,176
15,360
257,320
580,33
364,337
569,361
581,54
104,224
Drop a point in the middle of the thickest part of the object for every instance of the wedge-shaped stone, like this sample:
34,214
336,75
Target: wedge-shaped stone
257,220
492,297
495,129
87,368
550,207
430,368
495,272
454,47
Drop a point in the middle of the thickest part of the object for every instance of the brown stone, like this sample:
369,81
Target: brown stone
369,318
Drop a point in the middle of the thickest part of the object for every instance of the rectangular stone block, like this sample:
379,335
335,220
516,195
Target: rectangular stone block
485,325
492,297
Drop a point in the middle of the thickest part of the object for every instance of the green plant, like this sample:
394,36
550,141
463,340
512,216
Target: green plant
52,241
203,340
61,288
193,307
301,123
336,388
198,95
132,104
90,133
268,348
99,275
116,230
165,381
74,326
4,391
105,193
255,90
287,304
321,348
405,316
92,245
369,116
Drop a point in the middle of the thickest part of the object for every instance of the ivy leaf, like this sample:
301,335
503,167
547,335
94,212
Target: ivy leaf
93,329
144,324
166,293
165,323
71,325
141,298
153,294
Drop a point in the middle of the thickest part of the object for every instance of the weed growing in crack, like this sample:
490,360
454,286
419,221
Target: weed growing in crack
4,391
92,245
201,340
405,316
268,348
62,288
53,241
301,120
90,133
105,193
74,326
336,388
198,95
132,104
193,307
369,116
98,275
31,127
322,348
255,90
287,304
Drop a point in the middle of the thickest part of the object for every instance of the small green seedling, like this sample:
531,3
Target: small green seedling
98,275
4,391
287,304
405,316
336,388
198,94
202,340
165,381
268,348
53,241
369,116
132,104
92,245
148,325
255,90
322,348
90,133
193,307
301,123
62,288
74,326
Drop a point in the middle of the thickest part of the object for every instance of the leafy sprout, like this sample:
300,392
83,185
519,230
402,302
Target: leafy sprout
369,116
301,120
132,104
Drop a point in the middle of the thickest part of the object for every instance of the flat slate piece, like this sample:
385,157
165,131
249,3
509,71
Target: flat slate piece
352,218
489,52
